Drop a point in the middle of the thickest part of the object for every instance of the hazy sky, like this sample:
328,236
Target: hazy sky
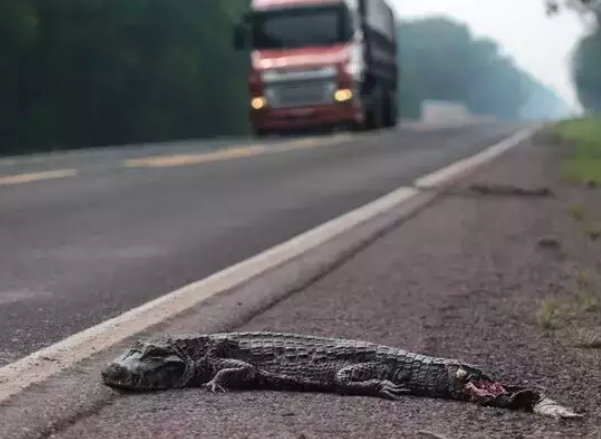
539,44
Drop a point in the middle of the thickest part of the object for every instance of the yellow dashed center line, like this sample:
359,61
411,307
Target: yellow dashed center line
164,161
193,159
36,176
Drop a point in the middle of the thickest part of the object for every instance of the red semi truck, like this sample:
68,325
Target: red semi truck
322,63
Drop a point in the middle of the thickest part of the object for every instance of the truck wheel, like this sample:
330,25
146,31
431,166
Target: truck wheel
392,111
358,127
396,115
374,112
382,116
386,109
368,121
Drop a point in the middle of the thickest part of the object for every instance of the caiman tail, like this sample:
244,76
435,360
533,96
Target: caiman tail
548,407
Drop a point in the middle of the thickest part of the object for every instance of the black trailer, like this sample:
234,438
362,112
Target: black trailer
379,86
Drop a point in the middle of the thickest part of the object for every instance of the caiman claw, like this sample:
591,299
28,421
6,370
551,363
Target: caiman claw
550,408
214,387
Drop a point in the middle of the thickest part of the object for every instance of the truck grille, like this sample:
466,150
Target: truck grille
300,93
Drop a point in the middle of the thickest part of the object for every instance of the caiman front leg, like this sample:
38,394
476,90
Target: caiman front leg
362,379
229,374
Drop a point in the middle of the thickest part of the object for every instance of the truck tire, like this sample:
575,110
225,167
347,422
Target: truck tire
386,110
378,109
391,111
369,120
396,110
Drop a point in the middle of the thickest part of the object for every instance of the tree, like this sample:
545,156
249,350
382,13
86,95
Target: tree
586,71
584,7
18,31
444,61
97,72
436,50
586,60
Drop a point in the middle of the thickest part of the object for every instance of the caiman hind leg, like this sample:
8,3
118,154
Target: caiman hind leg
364,379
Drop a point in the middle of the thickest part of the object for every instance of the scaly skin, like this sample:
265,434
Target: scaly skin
283,361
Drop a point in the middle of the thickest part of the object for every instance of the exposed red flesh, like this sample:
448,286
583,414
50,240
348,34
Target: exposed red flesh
485,388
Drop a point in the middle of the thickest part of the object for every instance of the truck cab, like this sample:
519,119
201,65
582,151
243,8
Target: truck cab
320,63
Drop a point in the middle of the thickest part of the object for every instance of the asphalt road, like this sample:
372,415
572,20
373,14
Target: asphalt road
79,250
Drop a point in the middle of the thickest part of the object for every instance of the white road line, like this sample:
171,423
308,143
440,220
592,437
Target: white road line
44,363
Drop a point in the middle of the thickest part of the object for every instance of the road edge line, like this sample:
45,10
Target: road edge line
51,360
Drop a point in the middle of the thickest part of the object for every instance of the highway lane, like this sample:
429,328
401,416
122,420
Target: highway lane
79,250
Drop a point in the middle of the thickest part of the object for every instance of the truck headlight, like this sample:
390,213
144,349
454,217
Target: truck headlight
258,103
344,94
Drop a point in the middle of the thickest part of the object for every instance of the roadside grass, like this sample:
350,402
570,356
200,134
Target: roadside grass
550,313
574,316
593,231
588,339
588,301
557,311
577,212
584,166
584,279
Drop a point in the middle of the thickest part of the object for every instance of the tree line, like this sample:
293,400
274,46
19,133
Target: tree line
586,60
440,59
98,72
104,72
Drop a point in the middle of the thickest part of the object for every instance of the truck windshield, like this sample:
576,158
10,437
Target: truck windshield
300,27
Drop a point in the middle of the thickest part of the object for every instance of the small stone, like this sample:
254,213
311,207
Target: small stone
549,242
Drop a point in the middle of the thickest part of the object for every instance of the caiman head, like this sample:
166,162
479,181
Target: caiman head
150,365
